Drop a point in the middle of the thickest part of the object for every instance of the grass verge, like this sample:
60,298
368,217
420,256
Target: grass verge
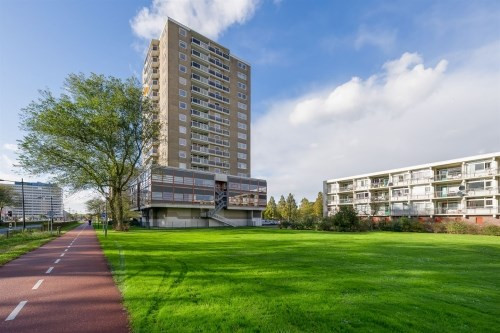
20,243
269,280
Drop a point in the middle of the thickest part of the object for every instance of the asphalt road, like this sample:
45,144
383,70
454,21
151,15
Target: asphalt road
63,286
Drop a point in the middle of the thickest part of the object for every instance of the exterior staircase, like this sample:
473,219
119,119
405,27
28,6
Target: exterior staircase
220,203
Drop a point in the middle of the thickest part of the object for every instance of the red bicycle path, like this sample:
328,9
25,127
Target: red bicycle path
77,295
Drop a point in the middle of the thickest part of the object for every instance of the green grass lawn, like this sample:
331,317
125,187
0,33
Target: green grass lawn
271,280
21,243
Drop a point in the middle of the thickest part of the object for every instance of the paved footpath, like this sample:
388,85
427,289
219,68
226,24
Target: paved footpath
63,286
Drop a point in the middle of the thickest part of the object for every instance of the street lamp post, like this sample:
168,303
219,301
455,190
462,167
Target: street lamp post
22,191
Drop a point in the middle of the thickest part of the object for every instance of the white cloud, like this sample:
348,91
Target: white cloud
406,114
404,83
208,17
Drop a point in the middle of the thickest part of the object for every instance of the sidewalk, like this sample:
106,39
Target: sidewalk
63,286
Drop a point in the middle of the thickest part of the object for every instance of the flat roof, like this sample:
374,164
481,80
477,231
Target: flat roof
420,166
189,29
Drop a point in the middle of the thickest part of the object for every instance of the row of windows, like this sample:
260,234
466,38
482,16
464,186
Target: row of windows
242,126
242,106
183,197
242,145
242,85
243,116
242,136
242,76
242,156
170,179
242,165
242,96
242,65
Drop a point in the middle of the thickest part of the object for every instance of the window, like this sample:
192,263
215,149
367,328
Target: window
242,156
182,165
155,59
242,126
242,65
182,129
182,117
182,93
182,105
182,56
182,81
242,106
182,69
155,82
242,145
241,85
182,44
241,115
242,174
182,142
182,154
242,166
242,76
242,96
182,32
155,47
242,136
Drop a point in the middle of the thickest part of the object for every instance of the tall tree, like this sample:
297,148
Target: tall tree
291,208
8,197
95,206
271,212
318,206
305,209
90,137
282,207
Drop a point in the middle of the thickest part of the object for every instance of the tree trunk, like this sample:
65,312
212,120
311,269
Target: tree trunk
119,210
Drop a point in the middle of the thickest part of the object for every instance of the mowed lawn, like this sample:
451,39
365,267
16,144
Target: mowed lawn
270,280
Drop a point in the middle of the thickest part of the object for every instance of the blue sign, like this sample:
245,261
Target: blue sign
103,215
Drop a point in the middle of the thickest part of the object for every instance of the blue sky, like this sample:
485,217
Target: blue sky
304,55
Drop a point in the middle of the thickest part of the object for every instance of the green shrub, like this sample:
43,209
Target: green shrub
458,227
326,223
490,229
346,219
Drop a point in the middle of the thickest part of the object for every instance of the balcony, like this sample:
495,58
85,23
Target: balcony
361,187
448,211
346,188
345,201
207,116
421,211
380,198
209,128
204,161
447,194
421,196
482,192
379,185
400,198
209,105
456,175
362,200
210,151
482,173
424,180
204,138
483,211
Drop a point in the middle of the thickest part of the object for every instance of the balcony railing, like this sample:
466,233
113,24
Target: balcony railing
421,196
345,200
479,192
209,128
423,180
450,211
205,161
399,197
482,173
447,194
204,138
381,198
345,188
449,176
210,151
362,200
379,185
482,210
209,116
209,105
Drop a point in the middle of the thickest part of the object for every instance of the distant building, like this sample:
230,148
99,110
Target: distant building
37,198
466,187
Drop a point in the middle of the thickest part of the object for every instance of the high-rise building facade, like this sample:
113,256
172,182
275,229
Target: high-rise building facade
37,201
198,169
466,187
203,95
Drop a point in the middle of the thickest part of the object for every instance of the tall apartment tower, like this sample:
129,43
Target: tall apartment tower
197,172
203,95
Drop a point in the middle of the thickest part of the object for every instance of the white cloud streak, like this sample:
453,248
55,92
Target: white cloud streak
406,114
208,17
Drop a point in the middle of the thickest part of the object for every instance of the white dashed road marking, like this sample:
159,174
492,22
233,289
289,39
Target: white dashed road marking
57,261
49,270
37,284
16,311
62,255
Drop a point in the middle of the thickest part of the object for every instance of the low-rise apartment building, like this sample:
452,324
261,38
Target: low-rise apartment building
178,198
466,187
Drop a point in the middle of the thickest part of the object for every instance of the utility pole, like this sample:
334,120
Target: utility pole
24,215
